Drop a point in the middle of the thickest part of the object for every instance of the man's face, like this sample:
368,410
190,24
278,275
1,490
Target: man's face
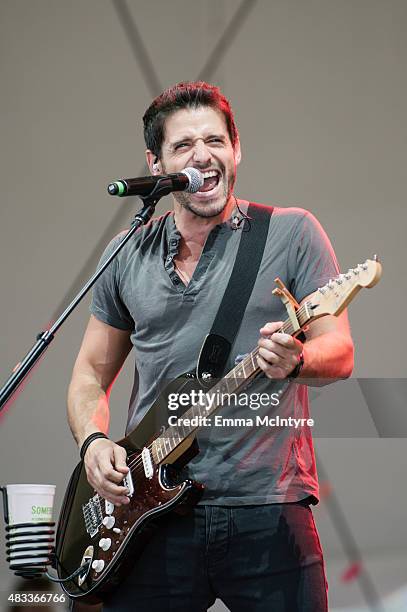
199,138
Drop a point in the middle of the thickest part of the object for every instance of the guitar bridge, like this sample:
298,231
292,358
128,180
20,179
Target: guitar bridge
92,513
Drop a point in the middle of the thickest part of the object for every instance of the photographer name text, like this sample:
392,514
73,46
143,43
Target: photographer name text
221,421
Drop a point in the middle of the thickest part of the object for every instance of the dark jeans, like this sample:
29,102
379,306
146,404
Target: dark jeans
261,558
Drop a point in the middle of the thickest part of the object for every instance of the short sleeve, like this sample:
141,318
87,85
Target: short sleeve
311,260
106,304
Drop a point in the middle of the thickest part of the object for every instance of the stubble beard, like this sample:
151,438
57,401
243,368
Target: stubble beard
207,209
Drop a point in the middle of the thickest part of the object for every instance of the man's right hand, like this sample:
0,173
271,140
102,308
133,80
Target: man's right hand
105,464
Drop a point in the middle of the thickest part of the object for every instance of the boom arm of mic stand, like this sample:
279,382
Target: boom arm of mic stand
45,338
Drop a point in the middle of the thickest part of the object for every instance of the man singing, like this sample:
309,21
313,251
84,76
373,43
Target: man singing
251,540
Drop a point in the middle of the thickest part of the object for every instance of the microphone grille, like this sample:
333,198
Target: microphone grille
196,179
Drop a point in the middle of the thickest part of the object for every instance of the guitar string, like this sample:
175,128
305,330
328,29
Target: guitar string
136,465
287,324
138,461
286,327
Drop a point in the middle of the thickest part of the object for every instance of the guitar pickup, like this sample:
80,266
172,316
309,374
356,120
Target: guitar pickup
147,463
92,513
128,482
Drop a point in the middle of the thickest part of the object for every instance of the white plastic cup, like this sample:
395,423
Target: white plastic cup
29,560
29,550
32,538
30,503
28,546
12,543
34,528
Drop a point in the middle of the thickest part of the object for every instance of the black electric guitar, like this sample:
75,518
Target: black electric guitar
101,541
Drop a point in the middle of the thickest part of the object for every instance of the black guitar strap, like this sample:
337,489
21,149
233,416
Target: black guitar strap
218,343
216,348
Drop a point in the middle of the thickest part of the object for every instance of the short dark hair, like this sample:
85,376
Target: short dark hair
192,94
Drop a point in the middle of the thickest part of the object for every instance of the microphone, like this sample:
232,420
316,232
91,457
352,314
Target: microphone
190,179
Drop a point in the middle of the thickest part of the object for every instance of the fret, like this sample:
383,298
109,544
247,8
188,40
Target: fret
204,403
304,316
249,367
235,382
186,428
167,441
205,407
201,410
230,376
223,388
187,415
257,360
287,328
226,381
255,366
193,412
177,434
154,452
160,450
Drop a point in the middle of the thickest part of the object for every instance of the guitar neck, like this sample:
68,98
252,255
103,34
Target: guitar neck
233,382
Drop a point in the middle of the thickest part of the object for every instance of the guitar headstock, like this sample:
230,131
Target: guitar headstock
333,297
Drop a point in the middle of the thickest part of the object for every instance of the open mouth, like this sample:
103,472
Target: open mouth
211,181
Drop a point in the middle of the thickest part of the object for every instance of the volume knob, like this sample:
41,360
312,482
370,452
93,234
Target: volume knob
109,521
98,565
105,543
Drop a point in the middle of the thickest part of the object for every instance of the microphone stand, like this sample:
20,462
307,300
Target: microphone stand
45,338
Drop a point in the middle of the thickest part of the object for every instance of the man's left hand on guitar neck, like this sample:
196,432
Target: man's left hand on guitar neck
279,353
327,354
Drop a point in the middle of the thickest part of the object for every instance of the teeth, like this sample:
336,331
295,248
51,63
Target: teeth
209,174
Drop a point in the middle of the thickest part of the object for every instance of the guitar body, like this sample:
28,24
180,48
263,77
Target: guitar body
87,521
